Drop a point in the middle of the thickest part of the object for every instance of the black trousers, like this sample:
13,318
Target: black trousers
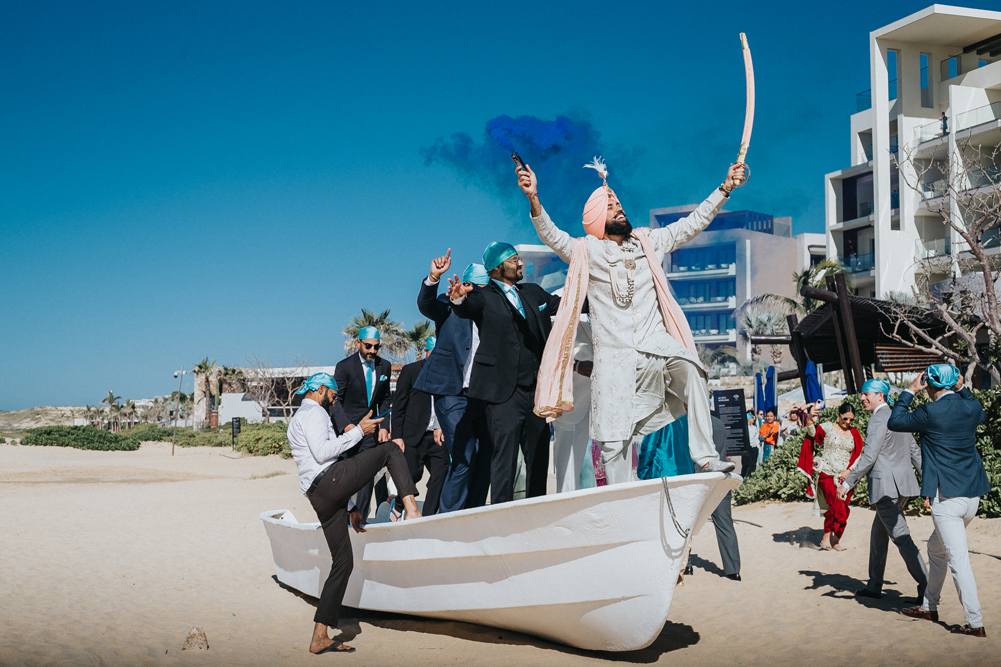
513,425
330,501
726,537
363,501
427,453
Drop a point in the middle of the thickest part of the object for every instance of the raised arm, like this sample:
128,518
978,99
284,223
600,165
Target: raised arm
467,302
677,234
427,299
903,421
558,240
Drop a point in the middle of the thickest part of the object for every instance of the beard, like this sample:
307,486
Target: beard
618,228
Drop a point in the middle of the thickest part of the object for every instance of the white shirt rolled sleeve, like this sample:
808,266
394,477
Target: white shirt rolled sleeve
314,443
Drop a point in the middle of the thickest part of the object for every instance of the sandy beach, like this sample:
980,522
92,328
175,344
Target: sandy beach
110,558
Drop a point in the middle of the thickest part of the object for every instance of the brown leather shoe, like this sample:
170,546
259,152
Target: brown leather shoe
918,612
967,630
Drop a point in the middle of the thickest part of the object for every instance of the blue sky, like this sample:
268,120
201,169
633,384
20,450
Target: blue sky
181,180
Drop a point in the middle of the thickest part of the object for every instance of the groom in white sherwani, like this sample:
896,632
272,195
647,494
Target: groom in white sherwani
646,370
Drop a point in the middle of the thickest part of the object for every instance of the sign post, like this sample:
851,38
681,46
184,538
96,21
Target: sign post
236,432
731,410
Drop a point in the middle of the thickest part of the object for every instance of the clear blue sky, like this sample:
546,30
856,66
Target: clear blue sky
180,180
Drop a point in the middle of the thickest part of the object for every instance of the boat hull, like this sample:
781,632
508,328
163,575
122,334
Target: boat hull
595,569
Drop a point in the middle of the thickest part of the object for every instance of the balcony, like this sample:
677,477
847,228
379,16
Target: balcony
859,263
701,272
963,121
707,336
715,303
932,249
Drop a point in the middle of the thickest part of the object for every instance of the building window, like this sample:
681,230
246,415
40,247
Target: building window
891,71
708,258
951,67
927,99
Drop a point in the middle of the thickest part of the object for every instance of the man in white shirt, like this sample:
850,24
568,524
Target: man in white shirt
329,482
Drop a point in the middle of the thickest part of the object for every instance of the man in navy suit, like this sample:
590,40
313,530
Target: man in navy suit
446,376
363,383
953,476
513,322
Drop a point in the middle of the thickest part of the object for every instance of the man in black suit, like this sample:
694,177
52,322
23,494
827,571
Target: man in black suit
513,323
417,433
363,384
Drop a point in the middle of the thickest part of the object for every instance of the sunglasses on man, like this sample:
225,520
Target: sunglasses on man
372,346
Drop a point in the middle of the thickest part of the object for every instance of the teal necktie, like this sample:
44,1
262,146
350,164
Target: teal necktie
369,378
512,296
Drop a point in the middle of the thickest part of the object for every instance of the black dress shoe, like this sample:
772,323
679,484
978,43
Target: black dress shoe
688,570
866,593
734,577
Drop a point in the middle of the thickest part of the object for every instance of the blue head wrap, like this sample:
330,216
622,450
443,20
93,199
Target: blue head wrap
942,376
476,274
496,253
368,333
317,380
429,343
878,387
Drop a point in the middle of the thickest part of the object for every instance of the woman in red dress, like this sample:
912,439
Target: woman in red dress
841,444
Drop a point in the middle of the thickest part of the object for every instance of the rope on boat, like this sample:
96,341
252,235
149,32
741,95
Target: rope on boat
670,508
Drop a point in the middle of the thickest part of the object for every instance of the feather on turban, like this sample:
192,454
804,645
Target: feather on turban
596,208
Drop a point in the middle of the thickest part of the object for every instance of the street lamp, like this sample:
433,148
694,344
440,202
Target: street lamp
178,374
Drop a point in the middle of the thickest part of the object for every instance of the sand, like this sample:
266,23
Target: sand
110,558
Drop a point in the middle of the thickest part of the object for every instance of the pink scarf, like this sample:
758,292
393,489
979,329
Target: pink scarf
554,391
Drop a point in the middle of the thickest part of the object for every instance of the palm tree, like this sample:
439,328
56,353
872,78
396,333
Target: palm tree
204,370
712,358
814,276
394,341
418,335
112,402
763,323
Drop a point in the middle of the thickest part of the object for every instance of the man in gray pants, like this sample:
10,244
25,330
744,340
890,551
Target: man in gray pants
887,459
726,536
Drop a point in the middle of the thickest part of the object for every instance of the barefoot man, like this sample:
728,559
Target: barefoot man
329,483
646,370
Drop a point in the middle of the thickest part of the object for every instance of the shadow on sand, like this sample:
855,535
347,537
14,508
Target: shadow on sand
673,637
844,588
804,538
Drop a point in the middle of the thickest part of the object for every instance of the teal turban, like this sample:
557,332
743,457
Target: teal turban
368,333
317,380
476,274
878,387
496,253
429,343
942,375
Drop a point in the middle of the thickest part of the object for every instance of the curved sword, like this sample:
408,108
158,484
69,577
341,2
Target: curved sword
745,140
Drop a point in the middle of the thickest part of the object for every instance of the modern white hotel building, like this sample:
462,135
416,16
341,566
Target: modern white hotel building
940,60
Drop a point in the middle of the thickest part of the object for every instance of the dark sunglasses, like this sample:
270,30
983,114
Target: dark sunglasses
373,346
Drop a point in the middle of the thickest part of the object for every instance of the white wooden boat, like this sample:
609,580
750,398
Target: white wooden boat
595,568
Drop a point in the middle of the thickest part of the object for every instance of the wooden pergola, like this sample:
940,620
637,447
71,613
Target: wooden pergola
850,333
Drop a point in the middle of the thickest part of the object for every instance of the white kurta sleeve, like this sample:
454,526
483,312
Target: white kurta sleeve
677,234
558,240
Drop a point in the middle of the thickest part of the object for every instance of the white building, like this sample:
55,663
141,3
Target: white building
940,60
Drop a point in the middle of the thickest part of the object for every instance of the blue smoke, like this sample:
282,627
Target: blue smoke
557,151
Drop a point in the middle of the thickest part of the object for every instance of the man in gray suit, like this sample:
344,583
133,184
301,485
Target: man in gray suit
887,459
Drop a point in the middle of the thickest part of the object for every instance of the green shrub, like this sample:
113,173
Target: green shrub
151,433
778,477
80,437
3,441
264,439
